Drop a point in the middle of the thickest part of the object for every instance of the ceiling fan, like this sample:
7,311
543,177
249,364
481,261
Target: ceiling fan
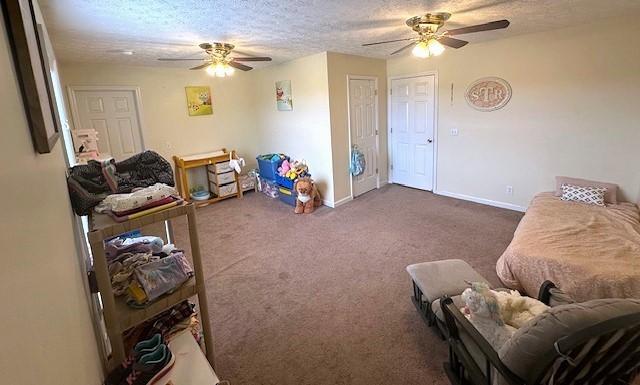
218,62
430,41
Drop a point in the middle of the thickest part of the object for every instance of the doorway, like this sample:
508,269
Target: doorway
412,130
363,130
114,112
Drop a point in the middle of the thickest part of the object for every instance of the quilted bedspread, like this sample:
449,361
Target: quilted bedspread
588,251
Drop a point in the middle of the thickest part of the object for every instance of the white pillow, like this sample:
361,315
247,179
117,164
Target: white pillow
590,195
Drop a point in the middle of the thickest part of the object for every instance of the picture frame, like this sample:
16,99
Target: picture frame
199,101
284,98
33,64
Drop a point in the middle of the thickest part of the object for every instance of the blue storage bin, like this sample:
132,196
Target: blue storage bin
288,196
284,182
268,168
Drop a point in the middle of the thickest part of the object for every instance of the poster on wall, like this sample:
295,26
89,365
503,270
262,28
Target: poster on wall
488,94
199,100
284,100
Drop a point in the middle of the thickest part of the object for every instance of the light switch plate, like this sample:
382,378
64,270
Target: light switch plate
454,132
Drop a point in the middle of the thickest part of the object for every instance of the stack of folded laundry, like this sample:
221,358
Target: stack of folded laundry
139,202
144,268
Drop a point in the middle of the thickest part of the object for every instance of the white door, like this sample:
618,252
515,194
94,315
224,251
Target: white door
412,131
363,125
115,116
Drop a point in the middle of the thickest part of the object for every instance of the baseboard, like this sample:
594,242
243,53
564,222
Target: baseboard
342,201
483,201
328,203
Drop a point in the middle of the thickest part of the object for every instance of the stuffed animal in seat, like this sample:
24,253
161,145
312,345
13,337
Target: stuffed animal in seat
308,196
483,310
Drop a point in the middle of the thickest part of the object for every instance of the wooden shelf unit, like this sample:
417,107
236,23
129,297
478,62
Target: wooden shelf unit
184,163
118,316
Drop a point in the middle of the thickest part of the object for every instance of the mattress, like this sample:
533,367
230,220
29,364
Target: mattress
588,251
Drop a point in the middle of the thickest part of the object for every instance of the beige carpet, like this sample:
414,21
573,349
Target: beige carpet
324,298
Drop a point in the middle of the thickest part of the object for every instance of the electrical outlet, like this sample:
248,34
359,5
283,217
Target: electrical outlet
454,132
509,190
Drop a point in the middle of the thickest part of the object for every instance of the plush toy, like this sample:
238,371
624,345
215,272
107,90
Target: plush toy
308,196
517,310
483,310
283,170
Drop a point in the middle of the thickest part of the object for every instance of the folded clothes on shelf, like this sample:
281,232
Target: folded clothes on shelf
147,244
122,270
163,275
138,198
174,202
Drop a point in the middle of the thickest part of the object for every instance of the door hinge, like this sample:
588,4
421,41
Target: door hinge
376,170
391,166
391,129
391,92
375,92
376,132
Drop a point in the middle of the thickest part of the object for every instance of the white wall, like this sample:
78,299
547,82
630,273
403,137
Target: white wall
168,129
304,132
574,111
47,335
339,66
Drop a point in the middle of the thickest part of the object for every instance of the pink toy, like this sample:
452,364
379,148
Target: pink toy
284,168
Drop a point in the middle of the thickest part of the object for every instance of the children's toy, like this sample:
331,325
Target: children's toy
284,168
308,196
517,310
483,310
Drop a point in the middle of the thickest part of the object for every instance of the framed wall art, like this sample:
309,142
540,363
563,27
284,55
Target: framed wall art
284,100
488,94
33,68
199,100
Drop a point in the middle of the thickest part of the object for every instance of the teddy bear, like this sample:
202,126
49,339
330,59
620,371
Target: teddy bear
308,196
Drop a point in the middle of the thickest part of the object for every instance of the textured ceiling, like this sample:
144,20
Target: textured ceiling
90,31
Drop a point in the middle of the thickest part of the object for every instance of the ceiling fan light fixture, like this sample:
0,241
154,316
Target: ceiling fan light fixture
435,47
421,50
211,70
229,70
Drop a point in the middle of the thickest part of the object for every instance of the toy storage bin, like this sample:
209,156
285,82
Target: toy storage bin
267,187
284,182
287,196
268,168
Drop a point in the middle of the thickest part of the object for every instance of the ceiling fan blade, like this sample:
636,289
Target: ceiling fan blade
260,58
451,42
403,48
177,59
479,28
240,66
201,66
390,41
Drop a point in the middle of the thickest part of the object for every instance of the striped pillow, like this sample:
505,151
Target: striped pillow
590,195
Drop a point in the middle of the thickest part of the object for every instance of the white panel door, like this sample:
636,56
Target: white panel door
412,131
363,123
114,115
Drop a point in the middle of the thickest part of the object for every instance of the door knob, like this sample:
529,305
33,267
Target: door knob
429,140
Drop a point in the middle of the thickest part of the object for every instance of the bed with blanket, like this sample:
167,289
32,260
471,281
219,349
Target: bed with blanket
589,251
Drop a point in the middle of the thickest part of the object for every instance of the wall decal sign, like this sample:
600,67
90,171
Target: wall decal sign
488,94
